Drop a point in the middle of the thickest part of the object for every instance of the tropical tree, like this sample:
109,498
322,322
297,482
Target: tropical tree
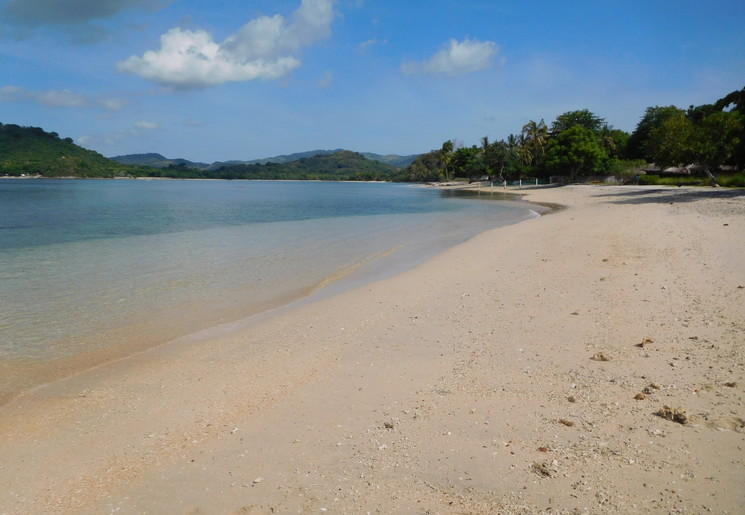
467,162
486,157
583,118
446,155
503,156
522,152
614,141
652,119
535,138
718,139
575,151
669,143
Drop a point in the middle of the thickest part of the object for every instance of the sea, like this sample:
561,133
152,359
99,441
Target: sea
91,270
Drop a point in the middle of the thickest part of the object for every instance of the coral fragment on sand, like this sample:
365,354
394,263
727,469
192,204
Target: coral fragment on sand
674,414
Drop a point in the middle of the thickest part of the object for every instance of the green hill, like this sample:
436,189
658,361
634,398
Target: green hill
156,161
339,166
159,161
32,151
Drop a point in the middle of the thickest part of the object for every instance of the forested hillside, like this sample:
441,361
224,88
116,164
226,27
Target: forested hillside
32,151
340,166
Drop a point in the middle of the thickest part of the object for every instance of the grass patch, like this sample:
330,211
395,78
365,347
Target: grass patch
731,180
672,181
735,180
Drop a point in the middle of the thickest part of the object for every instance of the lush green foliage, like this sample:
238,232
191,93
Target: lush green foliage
429,167
712,135
581,118
577,150
32,151
652,119
581,144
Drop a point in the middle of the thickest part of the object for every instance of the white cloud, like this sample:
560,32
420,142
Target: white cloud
261,49
457,58
58,98
190,59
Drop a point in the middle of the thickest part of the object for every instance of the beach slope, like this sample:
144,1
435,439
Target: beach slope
590,360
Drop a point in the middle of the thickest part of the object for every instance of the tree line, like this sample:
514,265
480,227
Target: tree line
581,144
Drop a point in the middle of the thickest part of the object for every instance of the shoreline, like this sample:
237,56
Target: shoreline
473,383
25,376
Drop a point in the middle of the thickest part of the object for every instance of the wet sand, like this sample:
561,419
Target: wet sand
525,371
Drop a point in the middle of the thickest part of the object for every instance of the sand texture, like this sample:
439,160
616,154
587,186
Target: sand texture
587,361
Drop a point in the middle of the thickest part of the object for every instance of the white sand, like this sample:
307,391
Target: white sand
442,390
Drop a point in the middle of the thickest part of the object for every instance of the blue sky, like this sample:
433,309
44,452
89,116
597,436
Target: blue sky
247,79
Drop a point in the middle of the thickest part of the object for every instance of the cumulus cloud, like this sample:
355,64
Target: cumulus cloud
58,98
457,58
78,17
262,49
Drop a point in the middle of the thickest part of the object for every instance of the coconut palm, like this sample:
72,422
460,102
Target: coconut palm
446,155
535,136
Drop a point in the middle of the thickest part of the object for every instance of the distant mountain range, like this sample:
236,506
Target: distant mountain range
156,161
33,152
159,161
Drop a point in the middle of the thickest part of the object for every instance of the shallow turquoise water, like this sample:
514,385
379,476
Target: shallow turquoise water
90,264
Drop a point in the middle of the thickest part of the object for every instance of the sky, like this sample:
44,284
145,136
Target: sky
247,79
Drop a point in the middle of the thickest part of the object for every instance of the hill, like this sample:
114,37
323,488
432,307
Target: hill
343,165
392,159
160,161
156,161
32,151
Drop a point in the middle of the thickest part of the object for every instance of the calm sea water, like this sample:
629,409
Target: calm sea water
92,268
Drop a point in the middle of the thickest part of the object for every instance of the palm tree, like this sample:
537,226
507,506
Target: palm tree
535,137
520,148
446,155
486,154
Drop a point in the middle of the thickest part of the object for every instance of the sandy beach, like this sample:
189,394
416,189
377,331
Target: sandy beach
587,361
